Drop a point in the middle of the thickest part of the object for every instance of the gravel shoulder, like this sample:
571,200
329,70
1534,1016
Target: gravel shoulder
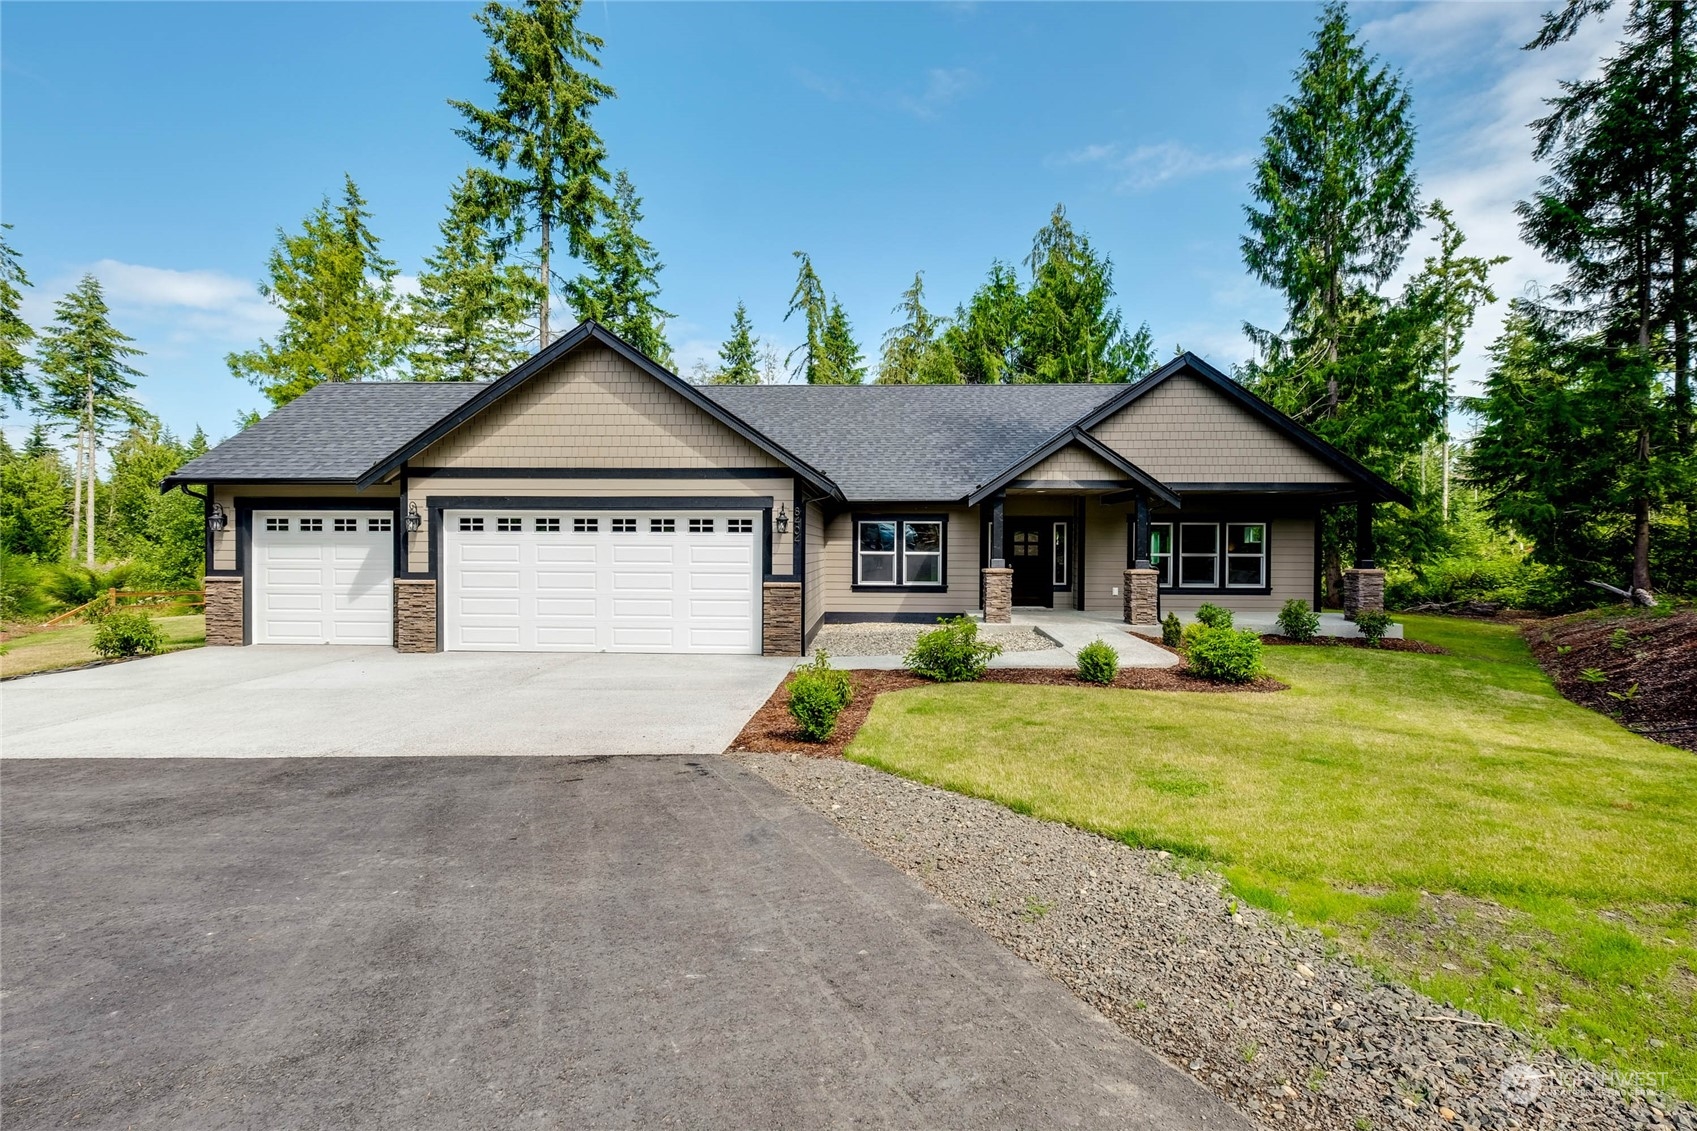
898,639
1265,1013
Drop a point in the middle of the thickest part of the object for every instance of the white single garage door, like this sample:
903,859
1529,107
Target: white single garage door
564,581
323,577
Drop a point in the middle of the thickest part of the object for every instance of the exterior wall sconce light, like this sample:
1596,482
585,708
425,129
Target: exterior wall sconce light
216,519
414,519
782,523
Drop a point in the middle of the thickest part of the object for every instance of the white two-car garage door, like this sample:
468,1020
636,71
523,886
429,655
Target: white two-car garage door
323,577
564,581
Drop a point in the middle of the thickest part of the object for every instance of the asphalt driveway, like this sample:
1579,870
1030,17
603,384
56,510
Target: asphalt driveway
510,942
311,701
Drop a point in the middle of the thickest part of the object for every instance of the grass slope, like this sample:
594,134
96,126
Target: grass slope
1451,819
71,646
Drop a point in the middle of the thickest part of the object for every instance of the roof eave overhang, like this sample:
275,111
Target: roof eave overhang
1368,483
1075,435
539,362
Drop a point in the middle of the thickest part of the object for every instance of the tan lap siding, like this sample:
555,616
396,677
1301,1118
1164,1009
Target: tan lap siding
593,409
224,542
424,488
960,564
1105,536
1186,432
813,576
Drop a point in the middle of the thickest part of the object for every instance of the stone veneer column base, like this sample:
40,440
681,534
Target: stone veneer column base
415,614
780,618
1362,589
1142,596
224,611
998,596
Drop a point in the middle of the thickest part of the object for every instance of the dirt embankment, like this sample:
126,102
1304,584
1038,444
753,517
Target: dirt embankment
1639,668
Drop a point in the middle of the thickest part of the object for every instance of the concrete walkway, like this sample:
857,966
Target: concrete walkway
1267,624
1068,628
276,701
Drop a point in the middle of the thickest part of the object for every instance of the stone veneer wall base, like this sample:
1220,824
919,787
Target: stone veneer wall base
415,614
1142,596
224,611
780,620
1362,589
998,595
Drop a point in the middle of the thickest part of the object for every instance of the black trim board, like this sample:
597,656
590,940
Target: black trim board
601,472
888,618
583,333
1189,363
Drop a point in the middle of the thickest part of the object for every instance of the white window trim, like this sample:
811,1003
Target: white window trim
1061,551
1226,557
899,553
901,542
1178,552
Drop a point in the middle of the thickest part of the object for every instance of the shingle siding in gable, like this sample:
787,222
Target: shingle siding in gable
593,410
1072,464
1185,432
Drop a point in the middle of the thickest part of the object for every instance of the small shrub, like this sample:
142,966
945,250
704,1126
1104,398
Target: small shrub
1189,635
1225,655
1213,615
951,653
128,634
1298,621
818,694
1372,623
1172,630
1098,662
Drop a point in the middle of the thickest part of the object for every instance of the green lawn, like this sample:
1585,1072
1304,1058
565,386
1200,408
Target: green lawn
67,647
1450,819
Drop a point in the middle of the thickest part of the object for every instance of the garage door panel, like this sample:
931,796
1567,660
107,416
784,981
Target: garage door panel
570,552
722,554
631,581
576,638
488,606
489,552
660,553
317,584
658,638
718,582
583,607
639,607
554,580
490,634
719,640
304,550
287,602
702,609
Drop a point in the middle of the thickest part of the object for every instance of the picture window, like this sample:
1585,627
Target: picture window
1061,573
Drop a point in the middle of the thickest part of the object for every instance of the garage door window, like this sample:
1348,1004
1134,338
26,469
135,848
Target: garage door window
701,526
662,525
739,526
471,524
623,526
276,524
586,525
312,525
547,526
378,525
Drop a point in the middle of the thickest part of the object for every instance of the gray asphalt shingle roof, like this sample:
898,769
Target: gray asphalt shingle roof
911,443
337,431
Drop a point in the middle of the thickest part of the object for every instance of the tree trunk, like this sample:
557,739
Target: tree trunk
1679,230
1446,511
1641,524
547,287
93,465
76,499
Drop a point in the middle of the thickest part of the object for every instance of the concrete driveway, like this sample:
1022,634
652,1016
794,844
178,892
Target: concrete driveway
308,701
511,942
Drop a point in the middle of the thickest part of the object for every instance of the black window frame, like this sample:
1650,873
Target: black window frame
1170,570
900,565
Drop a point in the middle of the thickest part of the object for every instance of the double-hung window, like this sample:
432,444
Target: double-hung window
1161,550
899,552
1198,555
1209,555
1246,555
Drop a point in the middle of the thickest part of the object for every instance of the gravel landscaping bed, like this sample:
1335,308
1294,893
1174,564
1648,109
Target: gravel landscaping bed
896,639
1260,1010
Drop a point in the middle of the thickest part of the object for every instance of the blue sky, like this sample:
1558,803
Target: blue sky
162,145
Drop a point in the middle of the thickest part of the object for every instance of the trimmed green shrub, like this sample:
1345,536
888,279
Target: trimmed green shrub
1189,635
1172,630
128,634
1213,615
951,653
1372,623
818,694
1098,662
1225,655
1298,621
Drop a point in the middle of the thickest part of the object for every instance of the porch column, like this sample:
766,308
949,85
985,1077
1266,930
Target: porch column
1363,586
1142,592
998,579
998,531
1140,535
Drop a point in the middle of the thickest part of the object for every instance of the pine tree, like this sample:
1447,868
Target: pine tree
739,357
38,445
471,308
620,292
1616,209
1068,331
808,299
343,320
840,360
908,346
983,338
88,379
1338,199
549,161
15,333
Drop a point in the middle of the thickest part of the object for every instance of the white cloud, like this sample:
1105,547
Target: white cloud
1145,167
944,86
165,307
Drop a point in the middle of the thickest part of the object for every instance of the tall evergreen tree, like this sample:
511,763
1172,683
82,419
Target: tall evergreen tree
1337,201
85,363
1069,331
15,333
840,360
1616,210
471,308
342,318
548,160
739,357
621,290
983,338
808,300
909,347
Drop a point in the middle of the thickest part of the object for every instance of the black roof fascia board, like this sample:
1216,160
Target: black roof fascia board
174,480
1091,444
1290,429
542,359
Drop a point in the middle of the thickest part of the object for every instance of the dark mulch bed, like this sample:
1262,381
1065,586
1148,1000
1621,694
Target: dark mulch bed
1650,665
772,731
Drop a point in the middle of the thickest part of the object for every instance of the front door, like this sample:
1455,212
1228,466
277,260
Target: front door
1032,563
